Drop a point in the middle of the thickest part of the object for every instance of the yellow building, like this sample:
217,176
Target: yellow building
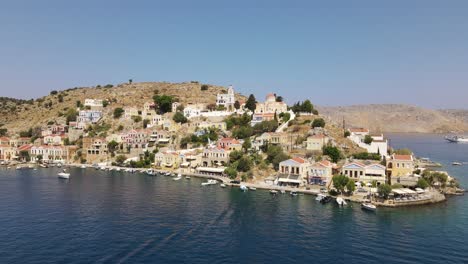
400,165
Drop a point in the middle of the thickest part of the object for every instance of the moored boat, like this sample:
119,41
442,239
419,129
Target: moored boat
326,199
320,197
457,139
222,185
455,163
252,188
293,193
64,175
243,188
368,206
209,182
340,201
274,192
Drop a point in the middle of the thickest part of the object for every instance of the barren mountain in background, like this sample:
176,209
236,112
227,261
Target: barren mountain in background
398,118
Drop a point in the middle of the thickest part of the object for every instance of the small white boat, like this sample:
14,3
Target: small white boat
102,168
320,197
456,163
43,166
274,192
83,167
222,185
64,175
368,206
293,193
117,169
177,178
340,201
243,188
187,177
209,182
252,188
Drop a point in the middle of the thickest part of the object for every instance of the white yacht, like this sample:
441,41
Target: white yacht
222,185
340,201
457,139
64,175
179,176
209,182
368,206
243,188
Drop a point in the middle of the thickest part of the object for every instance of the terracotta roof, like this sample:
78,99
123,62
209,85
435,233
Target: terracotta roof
4,138
5,146
358,129
25,147
402,157
318,136
300,160
325,163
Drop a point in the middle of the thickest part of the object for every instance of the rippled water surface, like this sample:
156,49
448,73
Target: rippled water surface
114,217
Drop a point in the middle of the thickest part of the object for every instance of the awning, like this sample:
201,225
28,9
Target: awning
209,169
289,180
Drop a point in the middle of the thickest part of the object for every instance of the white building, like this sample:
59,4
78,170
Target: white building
271,105
379,143
86,117
54,154
93,103
193,111
226,100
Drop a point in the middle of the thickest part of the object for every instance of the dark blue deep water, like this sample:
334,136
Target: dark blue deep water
114,217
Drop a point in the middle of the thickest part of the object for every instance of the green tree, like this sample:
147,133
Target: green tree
318,122
163,103
204,87
244,164
39,158
53,92
307,106
112,146
247,144
71,115
340,182
237,105
234,156
130,81
60,98
120,159
180,118
384,190
251,103
136,119
279,99
242,132
118,112
347,134
333,152
231,172
145,123
422,183
350,186
368,139
3,132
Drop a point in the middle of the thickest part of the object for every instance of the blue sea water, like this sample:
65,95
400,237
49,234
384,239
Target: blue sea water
116,217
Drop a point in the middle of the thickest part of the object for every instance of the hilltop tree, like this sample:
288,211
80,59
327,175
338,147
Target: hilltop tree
130,81
333,152
307,106
180,118
368,139
251,103
318,122
163,103
118,112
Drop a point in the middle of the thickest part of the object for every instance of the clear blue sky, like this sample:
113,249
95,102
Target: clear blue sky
335,53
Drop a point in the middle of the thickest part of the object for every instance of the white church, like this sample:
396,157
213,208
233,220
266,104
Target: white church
226,100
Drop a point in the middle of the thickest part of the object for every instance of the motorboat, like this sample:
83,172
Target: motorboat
320,197
222,185
83,166
457,139
187,177
243,188
252,188
179,176
455,163
274,192
368,206
42,165
326,199
64,175
340,201
293,193
209,182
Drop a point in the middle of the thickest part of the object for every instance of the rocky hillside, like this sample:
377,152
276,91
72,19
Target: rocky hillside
19,115
399,118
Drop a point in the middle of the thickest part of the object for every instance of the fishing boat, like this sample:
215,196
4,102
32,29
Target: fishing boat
179,176
222,185
243,188
457,139
340,201
274,192
293,193
64,175
368,206
209,182
187,177
455,163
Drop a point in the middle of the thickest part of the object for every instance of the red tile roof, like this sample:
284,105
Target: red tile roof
359,129
300,160
402,157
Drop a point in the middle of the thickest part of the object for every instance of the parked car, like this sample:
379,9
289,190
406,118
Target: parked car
235,182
